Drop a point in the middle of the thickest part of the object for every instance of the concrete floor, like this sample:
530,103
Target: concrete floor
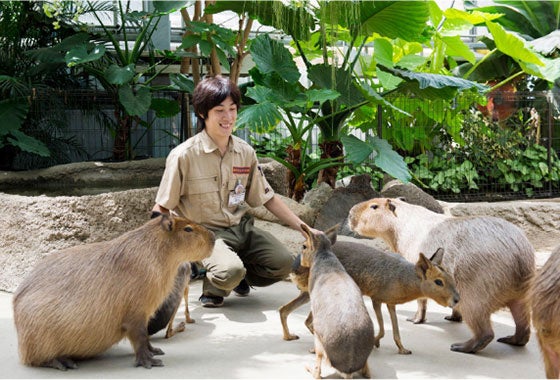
243,339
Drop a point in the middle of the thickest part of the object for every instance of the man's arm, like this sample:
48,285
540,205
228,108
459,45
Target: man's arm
276,206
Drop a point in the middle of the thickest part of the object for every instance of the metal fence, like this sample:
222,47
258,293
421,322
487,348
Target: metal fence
87,117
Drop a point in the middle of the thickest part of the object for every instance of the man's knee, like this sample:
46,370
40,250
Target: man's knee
227,278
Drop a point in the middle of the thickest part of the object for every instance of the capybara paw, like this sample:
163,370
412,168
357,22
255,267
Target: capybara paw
291,337
454,318
148,362
472,346
156,351
61,364
514,340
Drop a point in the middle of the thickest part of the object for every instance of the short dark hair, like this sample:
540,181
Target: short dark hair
209,93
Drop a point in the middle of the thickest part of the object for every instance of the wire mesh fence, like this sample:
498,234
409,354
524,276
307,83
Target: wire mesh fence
494,141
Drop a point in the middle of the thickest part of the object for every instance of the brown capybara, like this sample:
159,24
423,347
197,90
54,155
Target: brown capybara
165,314
342,327
78,302
490,259
385,278
544,298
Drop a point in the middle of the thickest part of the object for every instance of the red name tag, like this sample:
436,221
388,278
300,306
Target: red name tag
241,169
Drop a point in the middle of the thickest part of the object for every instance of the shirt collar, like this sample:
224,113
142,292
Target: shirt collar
209,145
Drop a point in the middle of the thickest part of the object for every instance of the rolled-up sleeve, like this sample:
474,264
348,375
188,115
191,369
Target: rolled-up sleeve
259,190
170,188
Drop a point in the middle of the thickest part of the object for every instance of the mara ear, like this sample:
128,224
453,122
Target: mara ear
391,206
437,257
422,266
167,222
332,233
306,229
402,199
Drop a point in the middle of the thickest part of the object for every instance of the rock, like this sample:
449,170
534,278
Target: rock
276,174
335,209
412,194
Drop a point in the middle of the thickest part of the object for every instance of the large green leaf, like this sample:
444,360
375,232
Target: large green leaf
394,19
12,113
84,53
28,143
165,107
512,45
182,82
338,79
437,81
135,104
120,75
271,56
384,157
292,18
164,7
260,118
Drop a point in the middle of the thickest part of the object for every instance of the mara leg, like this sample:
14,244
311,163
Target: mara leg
319,353
285,310
172,331
551,358
479,322
396,333
455,316
379,316
137,333
520,314
420,316
366,372
188,318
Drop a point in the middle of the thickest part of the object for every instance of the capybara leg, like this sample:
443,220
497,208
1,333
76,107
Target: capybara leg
551,358
396,333
455,316
379,316
420,316
520,316
61,363
188,318
137,333
480,325
285,310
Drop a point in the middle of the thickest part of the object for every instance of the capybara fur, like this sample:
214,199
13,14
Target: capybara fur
78,302
165,314
385,278
545,303
343,329
490,259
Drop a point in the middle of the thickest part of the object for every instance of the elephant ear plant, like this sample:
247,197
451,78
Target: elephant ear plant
123,61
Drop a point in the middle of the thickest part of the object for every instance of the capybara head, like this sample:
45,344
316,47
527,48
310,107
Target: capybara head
373,217
314,242
436,282
195,240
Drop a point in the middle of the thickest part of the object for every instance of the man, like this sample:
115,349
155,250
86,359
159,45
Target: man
212,179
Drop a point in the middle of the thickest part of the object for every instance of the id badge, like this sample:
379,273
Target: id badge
237,196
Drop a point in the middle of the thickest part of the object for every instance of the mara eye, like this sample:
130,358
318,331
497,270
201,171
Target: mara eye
373,207
439,282
304,246
188,229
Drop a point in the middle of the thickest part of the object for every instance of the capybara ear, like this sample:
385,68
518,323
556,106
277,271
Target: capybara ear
422,266
437,257
167,222
332,233
391,206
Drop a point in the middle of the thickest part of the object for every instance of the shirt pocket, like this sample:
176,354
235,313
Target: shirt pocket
203,198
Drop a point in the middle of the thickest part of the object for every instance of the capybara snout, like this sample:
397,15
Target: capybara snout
76,303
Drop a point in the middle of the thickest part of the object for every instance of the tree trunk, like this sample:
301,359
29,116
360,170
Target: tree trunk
330,149
121,146
296,186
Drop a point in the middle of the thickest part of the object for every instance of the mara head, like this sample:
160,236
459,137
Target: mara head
437,283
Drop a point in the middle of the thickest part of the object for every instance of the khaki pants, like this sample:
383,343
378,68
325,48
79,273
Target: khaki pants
245,251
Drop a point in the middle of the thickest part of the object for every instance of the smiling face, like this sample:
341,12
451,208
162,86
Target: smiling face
221,120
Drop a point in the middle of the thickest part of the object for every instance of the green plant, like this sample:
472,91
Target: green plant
127,69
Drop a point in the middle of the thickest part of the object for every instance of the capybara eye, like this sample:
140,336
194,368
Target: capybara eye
188,229
373,207
439,282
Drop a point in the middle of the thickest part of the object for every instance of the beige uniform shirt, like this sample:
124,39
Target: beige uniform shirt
198,183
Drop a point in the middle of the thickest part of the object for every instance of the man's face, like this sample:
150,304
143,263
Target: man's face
221,119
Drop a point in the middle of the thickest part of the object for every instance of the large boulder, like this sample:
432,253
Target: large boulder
412,194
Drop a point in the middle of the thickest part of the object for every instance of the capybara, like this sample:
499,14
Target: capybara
385,278
545,304
165,314
490,259
342,327
78,302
